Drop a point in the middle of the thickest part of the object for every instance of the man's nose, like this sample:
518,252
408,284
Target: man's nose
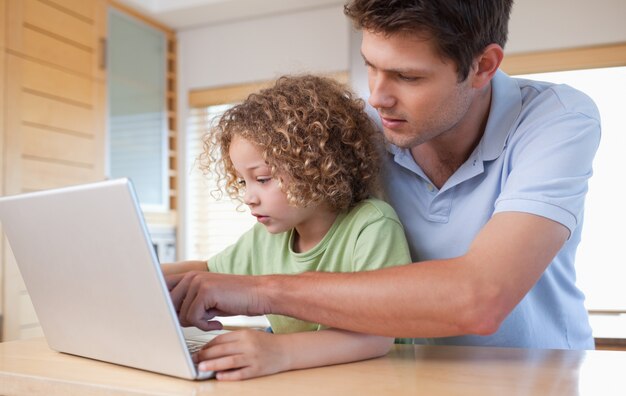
380,93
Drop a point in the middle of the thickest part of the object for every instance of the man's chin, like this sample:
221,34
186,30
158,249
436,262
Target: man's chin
401,141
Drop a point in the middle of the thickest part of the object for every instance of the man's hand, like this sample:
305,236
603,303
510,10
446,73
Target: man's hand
199,296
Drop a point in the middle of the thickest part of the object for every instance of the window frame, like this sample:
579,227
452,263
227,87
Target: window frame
593,57
169,216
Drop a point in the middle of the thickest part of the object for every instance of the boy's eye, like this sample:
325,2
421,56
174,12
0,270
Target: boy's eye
241,182
263,180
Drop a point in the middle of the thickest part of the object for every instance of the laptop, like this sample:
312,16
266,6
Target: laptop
94,279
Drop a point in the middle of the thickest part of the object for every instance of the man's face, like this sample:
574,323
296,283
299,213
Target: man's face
415,91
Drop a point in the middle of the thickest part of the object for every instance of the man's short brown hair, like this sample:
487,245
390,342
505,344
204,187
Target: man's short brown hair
460,29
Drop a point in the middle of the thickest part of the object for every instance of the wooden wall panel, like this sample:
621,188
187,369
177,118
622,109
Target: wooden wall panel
12,136
2,25
44,47
99,132
59,146
2,129
80,8
55,125
57,22
40,175
56,82
38,109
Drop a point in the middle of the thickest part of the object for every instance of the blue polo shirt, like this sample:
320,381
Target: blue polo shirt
535,157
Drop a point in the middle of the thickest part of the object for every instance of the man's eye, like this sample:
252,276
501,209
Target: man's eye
406,78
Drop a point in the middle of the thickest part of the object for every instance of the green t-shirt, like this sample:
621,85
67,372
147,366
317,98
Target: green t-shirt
367,237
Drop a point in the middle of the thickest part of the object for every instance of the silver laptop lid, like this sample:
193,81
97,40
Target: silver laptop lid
93,277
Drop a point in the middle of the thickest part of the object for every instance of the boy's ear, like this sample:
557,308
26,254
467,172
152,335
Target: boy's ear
486,65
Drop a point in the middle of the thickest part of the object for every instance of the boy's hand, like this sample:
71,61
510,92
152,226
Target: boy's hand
243,354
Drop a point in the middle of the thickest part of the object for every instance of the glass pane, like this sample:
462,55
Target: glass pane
600,266
136,64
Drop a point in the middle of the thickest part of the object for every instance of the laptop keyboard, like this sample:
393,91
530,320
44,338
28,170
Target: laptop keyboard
194,346
196,338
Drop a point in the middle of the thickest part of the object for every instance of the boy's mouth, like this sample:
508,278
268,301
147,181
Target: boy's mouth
261,218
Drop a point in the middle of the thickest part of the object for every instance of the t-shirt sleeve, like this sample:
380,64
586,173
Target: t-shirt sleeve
551,164
380,244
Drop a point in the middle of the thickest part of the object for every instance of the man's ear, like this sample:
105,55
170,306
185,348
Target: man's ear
486,65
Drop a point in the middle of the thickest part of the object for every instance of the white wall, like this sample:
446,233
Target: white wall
546,25
319,40
260,49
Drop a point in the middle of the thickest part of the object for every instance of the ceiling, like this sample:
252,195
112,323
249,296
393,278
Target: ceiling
186,14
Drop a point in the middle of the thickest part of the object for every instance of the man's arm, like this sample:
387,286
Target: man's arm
183,266
470,294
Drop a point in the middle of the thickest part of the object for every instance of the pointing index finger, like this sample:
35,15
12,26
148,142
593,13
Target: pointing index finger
178,285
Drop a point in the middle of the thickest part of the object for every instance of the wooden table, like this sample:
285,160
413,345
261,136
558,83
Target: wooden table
30,368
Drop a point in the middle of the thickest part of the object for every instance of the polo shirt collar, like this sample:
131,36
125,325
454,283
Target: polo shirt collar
506,105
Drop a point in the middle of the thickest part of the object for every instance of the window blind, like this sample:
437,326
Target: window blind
212,224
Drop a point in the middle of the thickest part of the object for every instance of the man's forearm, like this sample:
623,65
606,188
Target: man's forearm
470,294
392,302
183,266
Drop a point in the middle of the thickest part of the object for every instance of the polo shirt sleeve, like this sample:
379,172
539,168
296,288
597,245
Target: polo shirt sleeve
551,155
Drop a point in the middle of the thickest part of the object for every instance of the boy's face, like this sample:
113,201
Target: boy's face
267,202
415,91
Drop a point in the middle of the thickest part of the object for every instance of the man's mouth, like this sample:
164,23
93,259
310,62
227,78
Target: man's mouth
390,122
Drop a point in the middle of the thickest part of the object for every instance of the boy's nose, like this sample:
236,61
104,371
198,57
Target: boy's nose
249,198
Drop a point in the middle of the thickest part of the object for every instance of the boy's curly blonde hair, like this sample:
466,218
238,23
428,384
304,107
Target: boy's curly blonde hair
312,132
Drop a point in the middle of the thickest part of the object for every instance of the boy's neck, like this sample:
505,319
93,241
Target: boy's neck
307,235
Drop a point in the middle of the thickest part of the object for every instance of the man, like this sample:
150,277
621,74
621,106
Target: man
488,175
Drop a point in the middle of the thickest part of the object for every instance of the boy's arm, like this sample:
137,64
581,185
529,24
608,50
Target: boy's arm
183,266
249,353
334,346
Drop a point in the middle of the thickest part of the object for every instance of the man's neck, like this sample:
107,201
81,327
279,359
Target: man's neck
439,158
